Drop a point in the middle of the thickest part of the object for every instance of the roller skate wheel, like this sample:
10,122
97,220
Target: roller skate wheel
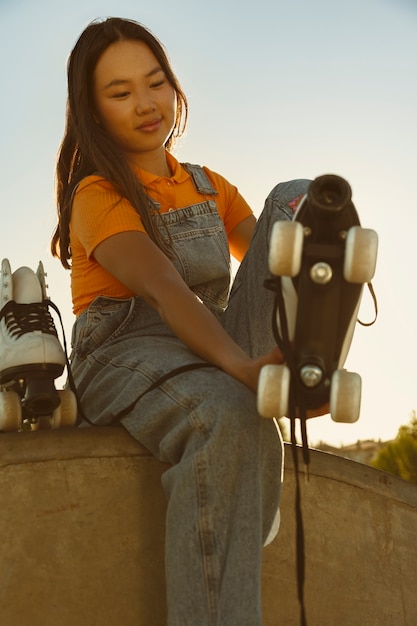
273,391
10,411
345,396
286,248
360,255
65,415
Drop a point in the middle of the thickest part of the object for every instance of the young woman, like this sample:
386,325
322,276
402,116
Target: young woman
158,344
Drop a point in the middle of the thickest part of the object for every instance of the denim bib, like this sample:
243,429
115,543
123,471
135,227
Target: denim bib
199,243
198,240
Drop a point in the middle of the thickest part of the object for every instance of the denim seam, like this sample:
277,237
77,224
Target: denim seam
207,536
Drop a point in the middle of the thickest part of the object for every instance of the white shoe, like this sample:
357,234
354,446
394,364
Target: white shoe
30,350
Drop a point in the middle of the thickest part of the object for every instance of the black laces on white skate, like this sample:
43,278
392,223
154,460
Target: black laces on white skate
80,413
21,319
282,339
71,383
281,336
375,301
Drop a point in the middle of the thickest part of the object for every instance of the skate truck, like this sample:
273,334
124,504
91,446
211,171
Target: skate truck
31,355
319,263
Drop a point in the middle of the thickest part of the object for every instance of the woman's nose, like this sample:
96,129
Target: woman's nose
144,105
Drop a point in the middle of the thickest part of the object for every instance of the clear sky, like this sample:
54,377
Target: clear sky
277,90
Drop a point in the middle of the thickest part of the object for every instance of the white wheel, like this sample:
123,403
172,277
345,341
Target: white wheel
66,413
273,391
286,248
345,396
10,411
360,255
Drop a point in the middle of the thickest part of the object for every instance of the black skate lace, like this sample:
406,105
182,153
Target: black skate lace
282,339
21,319
71,382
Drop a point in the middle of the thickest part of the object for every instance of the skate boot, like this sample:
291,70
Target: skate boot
320,260
31,356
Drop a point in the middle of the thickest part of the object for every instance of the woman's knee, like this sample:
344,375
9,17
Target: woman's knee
286,192
280,200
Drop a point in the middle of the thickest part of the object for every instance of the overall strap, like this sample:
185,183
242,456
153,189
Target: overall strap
200,179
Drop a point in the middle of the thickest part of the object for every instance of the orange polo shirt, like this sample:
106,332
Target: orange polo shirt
100,212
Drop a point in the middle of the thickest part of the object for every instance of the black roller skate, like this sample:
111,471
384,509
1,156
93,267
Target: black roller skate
321,260
31,356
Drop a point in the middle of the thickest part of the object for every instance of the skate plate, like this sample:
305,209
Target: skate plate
323,258
29,400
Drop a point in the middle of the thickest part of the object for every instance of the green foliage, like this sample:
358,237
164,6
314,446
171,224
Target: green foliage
399,456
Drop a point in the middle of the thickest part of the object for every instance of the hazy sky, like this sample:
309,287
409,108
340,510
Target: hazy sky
277,90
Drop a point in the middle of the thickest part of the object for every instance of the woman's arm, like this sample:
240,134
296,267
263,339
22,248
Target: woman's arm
240,237
139,264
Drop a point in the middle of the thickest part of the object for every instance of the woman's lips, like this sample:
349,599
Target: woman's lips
150,125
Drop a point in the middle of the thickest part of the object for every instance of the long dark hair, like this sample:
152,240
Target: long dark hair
87,149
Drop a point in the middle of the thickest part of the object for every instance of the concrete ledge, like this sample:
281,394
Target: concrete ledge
360,548
82,528
81,543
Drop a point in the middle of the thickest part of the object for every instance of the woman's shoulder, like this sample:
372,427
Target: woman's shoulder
94,195
95,191
224,187
96,182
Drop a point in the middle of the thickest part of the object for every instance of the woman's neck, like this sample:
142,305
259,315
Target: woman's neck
154,163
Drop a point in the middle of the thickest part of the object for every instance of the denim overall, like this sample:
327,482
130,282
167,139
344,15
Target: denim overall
224,480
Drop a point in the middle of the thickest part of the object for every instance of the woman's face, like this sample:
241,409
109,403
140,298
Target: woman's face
134,102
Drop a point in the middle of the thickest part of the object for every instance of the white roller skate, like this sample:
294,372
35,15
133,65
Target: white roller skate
321,260
31,356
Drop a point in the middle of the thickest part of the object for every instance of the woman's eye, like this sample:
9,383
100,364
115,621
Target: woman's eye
159,83
121,94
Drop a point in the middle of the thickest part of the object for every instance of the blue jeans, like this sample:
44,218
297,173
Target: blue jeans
223,486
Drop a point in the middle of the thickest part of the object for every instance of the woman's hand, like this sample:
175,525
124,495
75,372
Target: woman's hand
250,373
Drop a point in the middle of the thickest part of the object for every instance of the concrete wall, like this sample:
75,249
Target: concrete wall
82,537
